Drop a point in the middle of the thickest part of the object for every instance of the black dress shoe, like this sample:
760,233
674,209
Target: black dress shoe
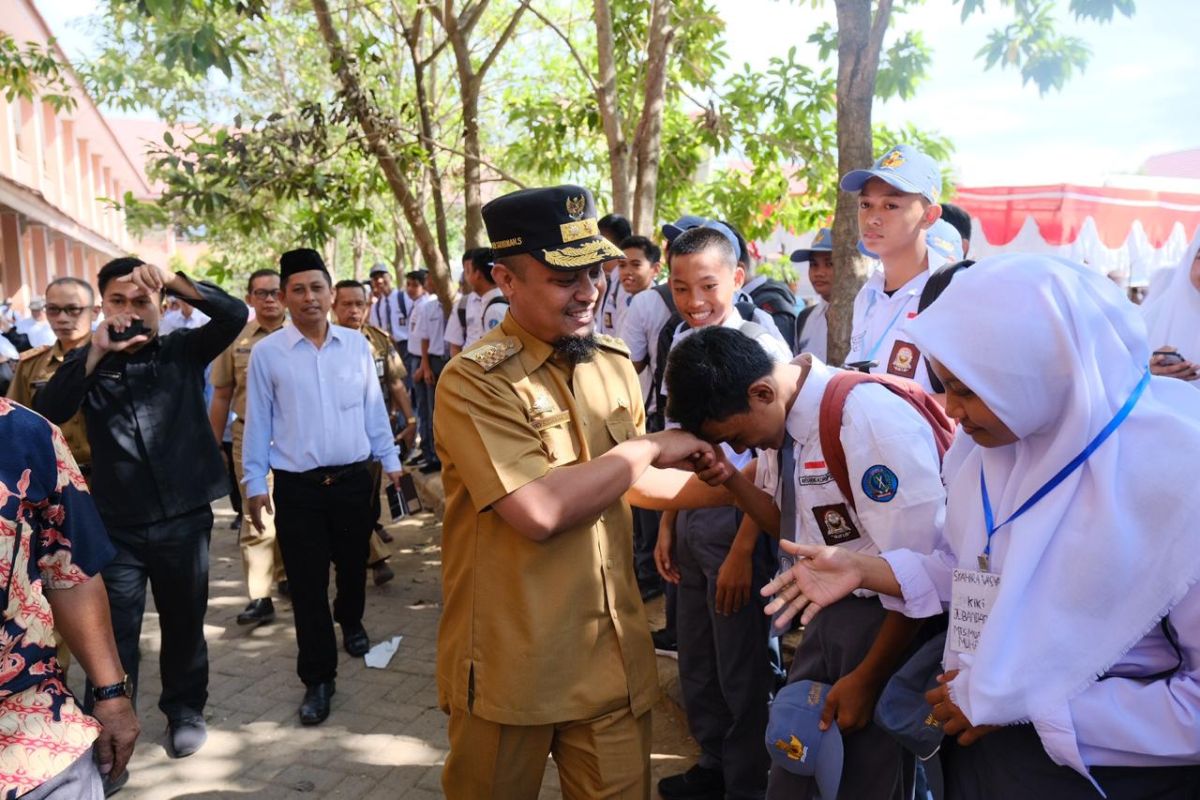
356,642
259,612
186,735
285,590
698,783
315,708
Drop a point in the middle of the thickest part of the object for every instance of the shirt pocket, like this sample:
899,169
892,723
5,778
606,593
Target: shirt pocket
349,391
559,443
620,425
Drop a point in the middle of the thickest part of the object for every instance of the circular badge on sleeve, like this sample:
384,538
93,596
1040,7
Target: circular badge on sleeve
880,484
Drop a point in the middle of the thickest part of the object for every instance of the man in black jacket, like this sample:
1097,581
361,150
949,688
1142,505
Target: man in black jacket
156,468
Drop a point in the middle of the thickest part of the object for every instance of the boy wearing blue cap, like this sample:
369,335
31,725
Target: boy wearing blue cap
812,329
887,489
897,205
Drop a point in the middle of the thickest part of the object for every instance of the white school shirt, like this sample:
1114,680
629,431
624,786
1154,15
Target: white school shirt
639,329
390,313
430,325
878,327
814,336
308,407
616,306
492,313
886,443
456,332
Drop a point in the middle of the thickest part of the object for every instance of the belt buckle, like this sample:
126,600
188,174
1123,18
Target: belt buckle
327,480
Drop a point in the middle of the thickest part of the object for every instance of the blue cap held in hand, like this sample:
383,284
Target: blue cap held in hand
797,743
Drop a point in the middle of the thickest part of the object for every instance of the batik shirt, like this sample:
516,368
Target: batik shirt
51,537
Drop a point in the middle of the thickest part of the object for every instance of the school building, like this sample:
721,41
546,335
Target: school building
58,173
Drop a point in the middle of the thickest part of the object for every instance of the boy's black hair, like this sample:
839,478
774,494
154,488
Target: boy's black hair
617,224
650,250
937,283
958,218
417,275
743,255
697,240
117,268
259,273
709,374
481,261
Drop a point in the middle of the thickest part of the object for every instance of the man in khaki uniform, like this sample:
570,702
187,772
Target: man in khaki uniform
261,561
543,645
350,307
70,309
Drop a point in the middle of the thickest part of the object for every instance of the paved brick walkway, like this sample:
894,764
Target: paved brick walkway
386,738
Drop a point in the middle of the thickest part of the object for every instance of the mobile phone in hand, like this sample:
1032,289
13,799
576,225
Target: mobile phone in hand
1167,358
135,328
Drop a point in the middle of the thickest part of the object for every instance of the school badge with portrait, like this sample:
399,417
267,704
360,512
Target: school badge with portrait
835,524
903,360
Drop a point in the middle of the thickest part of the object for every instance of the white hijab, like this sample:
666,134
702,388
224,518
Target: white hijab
1055,351
1172,311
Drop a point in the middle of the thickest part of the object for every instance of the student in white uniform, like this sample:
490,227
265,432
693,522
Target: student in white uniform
812,329
1070,562
897,204
728,391
713,553
457,321
1172,314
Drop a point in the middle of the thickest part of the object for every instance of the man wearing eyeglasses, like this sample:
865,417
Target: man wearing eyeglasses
70,308
261,561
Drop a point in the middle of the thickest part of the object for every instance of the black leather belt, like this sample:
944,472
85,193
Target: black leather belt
326,476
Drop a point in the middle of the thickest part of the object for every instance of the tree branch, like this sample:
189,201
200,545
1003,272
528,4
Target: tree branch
583,67
505,35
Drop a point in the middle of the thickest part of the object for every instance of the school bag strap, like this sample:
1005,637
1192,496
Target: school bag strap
833,404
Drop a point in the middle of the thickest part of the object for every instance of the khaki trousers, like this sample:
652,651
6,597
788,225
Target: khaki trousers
261,561
604,757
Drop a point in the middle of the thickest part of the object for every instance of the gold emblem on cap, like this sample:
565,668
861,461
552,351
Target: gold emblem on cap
892,160
579,229
584,255
576,206
794,750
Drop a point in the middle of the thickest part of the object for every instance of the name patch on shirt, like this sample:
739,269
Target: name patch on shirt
835,524
972,596
903,360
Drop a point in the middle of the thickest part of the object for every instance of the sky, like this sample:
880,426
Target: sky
1133,101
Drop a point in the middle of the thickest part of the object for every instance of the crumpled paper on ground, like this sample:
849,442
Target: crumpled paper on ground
381,654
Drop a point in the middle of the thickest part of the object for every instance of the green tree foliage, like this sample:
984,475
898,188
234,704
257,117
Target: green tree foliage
31,71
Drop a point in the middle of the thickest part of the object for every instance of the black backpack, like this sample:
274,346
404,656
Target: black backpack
775,298
666,336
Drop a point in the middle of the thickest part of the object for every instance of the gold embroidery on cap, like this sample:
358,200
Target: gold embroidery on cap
576,206
584,255
503,243
580,229
892,160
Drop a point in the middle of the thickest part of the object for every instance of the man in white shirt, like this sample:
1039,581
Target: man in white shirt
427,341
812,329
391,308
184,317
316,417
36,327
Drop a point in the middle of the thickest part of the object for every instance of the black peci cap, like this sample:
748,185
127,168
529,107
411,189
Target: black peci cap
555,225
301,260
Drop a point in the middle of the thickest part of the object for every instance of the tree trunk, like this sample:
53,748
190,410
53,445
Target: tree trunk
860,39
433,175
370,120
648,139
610,111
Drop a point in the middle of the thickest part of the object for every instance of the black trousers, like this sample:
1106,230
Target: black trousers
321,517
173,556
235,491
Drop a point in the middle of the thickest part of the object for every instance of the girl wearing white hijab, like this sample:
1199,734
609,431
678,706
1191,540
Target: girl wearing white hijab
1082,599
1172,315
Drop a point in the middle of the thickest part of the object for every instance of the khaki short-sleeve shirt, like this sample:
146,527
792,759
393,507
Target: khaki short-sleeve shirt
534,633
389,367
33,371
229,368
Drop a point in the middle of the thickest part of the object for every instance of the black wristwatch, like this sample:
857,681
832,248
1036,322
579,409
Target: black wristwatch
113,691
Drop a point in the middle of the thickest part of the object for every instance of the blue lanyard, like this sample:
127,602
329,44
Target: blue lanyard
871,355
1052,484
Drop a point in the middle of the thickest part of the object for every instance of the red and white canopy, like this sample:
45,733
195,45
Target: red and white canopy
1131,231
